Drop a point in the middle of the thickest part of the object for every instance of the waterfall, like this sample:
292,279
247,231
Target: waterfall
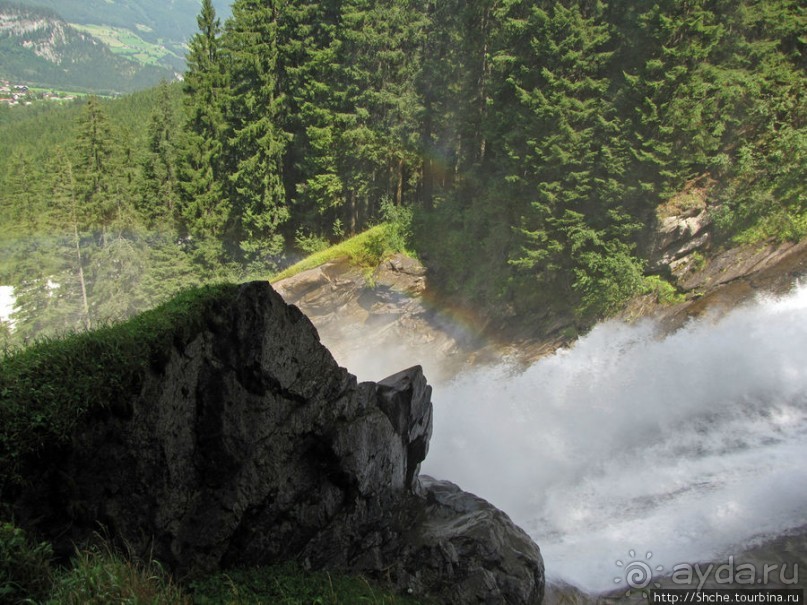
6,303
680,447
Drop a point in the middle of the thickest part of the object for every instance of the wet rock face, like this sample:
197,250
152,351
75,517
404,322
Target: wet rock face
250,445
358,315
468,551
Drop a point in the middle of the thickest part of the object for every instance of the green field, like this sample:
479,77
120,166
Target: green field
127,43
62,93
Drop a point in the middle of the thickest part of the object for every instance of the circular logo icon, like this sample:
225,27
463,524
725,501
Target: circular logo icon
638,574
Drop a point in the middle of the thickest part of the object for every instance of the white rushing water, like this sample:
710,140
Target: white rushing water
686,446
6,303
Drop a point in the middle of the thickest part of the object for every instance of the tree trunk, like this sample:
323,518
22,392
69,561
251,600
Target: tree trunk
354,212
399,191
85,304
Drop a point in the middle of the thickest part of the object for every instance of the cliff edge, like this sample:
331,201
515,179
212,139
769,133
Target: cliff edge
244,443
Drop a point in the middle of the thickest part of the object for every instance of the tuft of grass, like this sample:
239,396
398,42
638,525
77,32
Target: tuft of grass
100,576
664,291
365,250
25,571
47,387
289,584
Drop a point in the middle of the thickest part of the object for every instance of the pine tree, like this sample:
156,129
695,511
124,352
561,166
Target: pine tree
205,211
69,214
94,167
255,142
160,190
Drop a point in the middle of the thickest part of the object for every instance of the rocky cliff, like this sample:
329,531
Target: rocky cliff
377,323
247,444
712,278
393,310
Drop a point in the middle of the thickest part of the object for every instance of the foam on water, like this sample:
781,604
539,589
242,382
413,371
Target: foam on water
687,446
6,303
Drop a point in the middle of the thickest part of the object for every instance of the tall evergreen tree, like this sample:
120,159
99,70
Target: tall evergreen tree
69,214
255,143
575,229
160,184
23,193
51,286
94,167
205,211
310,64
382,55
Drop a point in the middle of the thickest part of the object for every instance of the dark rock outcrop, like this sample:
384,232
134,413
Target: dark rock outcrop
466,550
247,444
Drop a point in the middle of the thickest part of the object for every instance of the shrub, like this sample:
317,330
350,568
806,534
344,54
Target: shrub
100,577
25,572
399,226
310,243
289,584
605,281
664,291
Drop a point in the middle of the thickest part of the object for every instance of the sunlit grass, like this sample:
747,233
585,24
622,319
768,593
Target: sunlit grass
365,250
125,42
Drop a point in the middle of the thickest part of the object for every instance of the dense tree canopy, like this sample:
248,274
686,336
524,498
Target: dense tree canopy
533,140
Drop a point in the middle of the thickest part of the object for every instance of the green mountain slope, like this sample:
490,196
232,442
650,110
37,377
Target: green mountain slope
168,24
39,48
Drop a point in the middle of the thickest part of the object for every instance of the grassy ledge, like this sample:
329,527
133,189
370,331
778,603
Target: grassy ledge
47,387
363,250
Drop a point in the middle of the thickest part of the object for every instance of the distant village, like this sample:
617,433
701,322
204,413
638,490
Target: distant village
20,94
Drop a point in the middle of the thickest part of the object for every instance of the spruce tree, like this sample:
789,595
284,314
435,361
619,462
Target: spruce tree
204,209
23,193
570,153
255,143
160,186
70,215
94,167
309,61
382,53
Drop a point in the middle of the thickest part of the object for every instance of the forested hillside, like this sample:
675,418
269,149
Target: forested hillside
168,24
531,141
156,19
39,48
